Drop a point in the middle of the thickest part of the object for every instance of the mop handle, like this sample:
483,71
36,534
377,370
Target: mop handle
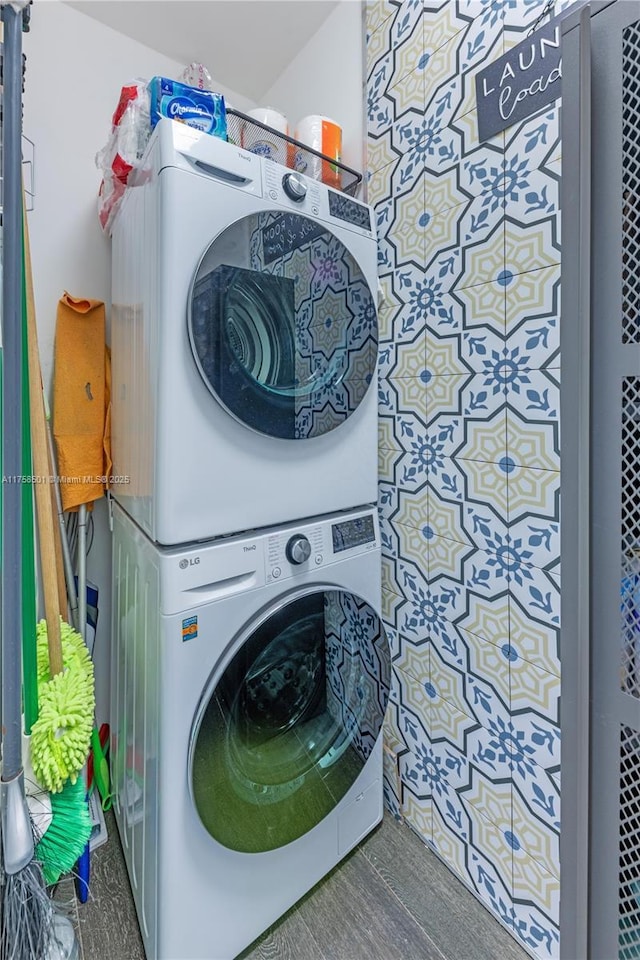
44,503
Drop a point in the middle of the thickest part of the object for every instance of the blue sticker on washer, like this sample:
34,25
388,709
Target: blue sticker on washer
189,628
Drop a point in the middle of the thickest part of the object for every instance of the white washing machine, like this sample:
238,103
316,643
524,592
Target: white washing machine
244,343
249,684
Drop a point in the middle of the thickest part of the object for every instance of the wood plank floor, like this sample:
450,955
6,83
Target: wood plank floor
390,899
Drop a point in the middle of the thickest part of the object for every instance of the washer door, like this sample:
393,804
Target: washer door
283,325
289,725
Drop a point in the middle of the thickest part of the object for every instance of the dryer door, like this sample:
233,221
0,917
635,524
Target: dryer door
283,326
285,731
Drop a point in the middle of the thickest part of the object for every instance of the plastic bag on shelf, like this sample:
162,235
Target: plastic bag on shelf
123,151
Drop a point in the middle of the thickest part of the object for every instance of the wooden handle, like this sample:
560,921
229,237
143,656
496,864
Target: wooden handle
43,491
57,536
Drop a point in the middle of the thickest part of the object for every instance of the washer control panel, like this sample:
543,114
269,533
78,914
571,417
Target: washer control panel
299,549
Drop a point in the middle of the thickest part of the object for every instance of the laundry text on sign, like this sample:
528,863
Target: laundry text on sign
521,82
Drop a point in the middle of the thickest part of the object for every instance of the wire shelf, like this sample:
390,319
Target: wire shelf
242,129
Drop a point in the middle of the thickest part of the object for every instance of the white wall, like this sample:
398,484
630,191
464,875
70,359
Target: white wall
75,68
327,77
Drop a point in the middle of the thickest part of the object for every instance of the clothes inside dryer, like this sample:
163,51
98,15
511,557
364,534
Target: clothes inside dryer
292,721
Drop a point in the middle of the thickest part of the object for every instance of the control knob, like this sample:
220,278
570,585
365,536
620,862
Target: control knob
298,549
294,187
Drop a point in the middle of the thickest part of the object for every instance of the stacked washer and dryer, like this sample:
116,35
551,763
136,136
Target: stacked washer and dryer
250,669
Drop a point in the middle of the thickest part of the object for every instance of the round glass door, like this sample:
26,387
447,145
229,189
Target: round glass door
283,325
291,722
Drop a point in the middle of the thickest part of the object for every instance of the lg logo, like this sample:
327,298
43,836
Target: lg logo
189,563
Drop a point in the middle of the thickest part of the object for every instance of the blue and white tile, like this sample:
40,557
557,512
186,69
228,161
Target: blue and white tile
413,709
485,575
443,20
530,247
417,814
412,564
404,402
466,418
533,316
395,642
535,197
448,565
390,545
489,806
531,636
443,358
501,748
487,618
378,37
450,841
449,768
428,611
380,189
413,512
452,813
440,64
447,482
537,932
442,241
485,509
542,732
469,227
534,513
405,358
488,669
413,659
535,829
482,305
380,121
482,220
380,152
447,513
390,566
393,605
474,349
378,12
391,788
536,139
448,679
489,864
532,420
535,701
415,770
402,39
537,592
483,262
387,498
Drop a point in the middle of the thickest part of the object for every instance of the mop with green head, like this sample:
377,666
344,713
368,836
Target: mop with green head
63,676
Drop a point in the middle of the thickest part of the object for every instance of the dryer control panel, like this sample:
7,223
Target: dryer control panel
315,199
315,545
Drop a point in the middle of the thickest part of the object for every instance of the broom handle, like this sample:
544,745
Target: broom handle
44,503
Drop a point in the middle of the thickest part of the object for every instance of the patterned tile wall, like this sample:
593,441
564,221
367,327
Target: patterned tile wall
469,264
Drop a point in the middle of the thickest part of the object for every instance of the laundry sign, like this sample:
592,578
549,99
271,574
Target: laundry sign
521,82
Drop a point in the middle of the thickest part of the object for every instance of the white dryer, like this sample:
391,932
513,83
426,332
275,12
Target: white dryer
244,343
249,684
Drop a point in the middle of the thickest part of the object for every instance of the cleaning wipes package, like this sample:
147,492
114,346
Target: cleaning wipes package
197,108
